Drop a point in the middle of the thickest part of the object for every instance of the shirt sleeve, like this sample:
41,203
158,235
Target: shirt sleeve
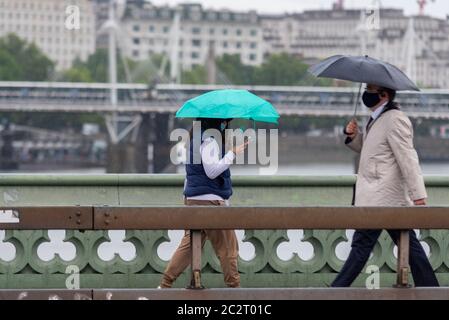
210,157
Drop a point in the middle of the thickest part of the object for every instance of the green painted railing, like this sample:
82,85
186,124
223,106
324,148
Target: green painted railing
265,269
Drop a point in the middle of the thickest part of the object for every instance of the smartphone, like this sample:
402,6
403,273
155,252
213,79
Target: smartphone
249,139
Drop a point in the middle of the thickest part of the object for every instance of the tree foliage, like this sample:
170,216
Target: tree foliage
20,61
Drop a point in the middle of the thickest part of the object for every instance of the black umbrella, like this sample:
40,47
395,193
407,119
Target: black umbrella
363,69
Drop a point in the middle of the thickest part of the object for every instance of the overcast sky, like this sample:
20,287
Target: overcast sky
439,8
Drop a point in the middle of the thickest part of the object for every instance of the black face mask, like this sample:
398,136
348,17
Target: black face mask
370,99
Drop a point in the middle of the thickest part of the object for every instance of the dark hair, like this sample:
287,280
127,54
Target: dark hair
211,123
391,93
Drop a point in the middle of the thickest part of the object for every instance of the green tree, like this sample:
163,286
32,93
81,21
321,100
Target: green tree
278,70
80,74
9,68
284,70
95,69
237,72
23,61
197,75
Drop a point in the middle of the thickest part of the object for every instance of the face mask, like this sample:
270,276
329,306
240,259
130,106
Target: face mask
370,99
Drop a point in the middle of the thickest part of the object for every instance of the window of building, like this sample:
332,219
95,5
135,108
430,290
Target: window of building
211,15
136,27
211,31
195,55
253,33
165,13
238,32
151,28
225,31
166,29
135,53
136,40
253,45
238,45
196,43
196,30
252,57
225,44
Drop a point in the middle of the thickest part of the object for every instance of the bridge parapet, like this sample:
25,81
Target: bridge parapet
270,260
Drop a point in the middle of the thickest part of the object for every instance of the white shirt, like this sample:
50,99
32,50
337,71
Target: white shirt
376,113
213,165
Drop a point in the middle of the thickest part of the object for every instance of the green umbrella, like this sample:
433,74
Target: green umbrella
229,104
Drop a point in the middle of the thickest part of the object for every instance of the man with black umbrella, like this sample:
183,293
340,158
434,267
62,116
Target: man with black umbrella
389,175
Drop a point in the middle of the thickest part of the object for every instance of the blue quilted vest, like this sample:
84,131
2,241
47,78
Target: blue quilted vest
198,183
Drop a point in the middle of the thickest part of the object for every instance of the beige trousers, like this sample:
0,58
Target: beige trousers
225,246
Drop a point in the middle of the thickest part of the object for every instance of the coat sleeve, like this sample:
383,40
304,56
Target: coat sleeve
400,139
356,143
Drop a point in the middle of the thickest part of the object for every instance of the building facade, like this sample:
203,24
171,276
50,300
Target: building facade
420,47
43,22
148,30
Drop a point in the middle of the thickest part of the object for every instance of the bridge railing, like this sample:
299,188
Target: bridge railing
115,258
197,218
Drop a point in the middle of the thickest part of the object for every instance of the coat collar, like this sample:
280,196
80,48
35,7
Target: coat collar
391,105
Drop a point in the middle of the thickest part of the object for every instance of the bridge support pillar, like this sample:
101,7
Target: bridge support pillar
130,155
195,251
6,150
121,157
403,260
143,140
161,143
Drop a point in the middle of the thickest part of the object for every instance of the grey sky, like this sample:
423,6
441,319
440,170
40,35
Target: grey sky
439,8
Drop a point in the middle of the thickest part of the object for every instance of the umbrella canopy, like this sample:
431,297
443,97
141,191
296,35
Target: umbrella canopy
229,104
363,69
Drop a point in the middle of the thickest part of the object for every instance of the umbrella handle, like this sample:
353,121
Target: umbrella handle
356,103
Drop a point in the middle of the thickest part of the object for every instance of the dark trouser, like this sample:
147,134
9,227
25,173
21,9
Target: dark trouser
363,243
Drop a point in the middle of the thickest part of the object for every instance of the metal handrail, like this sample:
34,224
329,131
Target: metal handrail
197,218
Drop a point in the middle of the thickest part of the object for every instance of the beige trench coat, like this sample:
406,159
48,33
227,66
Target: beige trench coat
389,173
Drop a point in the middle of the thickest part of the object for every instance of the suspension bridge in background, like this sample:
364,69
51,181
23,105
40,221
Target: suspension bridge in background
167,98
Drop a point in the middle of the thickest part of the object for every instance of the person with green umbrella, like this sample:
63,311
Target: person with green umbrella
208,177
208,183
